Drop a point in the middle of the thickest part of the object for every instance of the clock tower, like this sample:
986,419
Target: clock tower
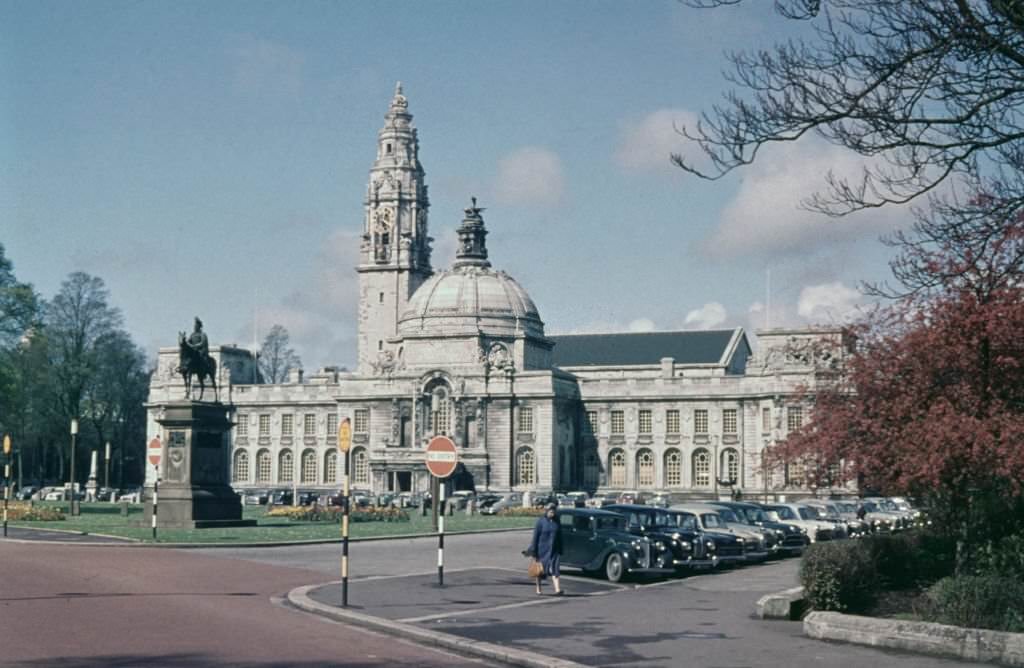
394,256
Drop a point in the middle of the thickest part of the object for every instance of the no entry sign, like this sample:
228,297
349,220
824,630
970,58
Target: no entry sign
154,451
441,456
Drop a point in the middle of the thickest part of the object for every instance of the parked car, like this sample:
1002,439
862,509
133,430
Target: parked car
26,492
52,494
256,497
602,500
727,548
660,501
879,519
461,498
132,495
597,541
631,496
790,541
722,519
807,519
503,502
541,498
577,499
105,493
683,537
830,513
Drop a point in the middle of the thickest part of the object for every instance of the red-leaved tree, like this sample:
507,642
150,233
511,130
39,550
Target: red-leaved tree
931,403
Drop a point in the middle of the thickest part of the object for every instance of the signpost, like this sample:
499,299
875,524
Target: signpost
442,458
344,444
7,478
155,449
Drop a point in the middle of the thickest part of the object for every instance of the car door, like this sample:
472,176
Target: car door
570,537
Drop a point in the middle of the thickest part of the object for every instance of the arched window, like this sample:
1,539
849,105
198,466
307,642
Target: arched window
673,468
591,471
440,411
730,465
263,462
331,467
240,468
360,467
617,468
308,471
645,468
701,468
526,467
285,466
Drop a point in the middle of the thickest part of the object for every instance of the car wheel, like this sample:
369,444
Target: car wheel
614,568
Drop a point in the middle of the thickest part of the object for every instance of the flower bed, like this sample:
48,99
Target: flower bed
334,514
23,512
521,512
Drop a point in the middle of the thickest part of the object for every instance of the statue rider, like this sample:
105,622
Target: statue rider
198,342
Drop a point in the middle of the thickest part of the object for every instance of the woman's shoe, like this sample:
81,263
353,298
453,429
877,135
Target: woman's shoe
559,593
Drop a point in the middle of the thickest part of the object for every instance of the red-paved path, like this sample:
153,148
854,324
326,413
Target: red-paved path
65,605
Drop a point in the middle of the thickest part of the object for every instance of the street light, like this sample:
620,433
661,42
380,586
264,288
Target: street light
106,467
74,438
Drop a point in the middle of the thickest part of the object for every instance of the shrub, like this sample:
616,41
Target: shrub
978,601
838,576
895,558
1005,557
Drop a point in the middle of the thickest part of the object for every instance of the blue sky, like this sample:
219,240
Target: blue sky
211,158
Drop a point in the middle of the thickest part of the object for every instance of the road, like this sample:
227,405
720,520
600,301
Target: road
73,606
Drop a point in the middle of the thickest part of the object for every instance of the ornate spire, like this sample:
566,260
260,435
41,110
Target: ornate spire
399,103
472,250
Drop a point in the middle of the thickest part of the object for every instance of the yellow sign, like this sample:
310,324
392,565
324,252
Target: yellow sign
7,445
345,435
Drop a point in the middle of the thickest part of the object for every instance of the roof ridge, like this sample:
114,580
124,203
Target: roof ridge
660,331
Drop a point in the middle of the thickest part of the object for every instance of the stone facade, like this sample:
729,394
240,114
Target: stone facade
463,352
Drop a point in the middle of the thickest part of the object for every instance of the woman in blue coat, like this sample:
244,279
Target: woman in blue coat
546,547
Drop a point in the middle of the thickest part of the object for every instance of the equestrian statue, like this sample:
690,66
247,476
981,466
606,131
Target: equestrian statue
194,360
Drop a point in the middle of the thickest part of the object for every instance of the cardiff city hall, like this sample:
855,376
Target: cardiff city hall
462,352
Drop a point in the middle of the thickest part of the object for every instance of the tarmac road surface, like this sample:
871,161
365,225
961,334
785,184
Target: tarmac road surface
74,606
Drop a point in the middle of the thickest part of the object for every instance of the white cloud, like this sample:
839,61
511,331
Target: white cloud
642,325
531,175
708,316
829,303
765,215
647,143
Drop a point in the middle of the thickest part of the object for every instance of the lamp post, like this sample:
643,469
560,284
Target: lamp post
510,371
74,438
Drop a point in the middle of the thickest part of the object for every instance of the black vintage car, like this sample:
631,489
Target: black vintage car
728,547
680,531
597,541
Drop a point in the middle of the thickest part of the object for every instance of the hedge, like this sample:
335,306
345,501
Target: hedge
978,601
838,576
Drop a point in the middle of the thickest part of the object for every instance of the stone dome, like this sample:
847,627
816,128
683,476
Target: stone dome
470,299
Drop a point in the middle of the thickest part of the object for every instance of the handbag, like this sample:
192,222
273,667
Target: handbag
535,569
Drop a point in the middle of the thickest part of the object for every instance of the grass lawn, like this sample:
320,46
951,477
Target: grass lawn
105,518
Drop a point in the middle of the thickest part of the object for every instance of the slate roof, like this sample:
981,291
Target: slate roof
640,348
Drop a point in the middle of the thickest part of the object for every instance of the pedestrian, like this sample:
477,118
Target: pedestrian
546,547
861,511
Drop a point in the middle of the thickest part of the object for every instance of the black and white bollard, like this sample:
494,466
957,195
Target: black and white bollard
440,536
156,485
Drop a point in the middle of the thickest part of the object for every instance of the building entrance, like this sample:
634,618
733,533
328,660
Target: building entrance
400,481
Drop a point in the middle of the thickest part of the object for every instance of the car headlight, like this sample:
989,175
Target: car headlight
711,545
659,545
739,540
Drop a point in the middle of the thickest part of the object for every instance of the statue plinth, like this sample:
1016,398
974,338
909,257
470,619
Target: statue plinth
195,468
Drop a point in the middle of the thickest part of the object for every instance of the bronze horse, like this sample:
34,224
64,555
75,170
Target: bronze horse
190,363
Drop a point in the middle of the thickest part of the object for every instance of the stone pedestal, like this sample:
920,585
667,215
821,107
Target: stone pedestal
195,469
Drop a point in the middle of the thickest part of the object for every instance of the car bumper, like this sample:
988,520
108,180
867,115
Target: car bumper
755,556
695,564
652,570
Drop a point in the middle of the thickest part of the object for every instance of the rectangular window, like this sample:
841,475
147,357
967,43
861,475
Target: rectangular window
592,421
618,422
361,423
644,419
287,424
672,421
766,420
729,421
700,421
242,427
794,417
332,425
264,426
525,420
309,424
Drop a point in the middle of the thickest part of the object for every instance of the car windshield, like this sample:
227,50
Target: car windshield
684,521
610,523
755,514
870,507
807,513
847,507
727,515
785,513
887,505
712,521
